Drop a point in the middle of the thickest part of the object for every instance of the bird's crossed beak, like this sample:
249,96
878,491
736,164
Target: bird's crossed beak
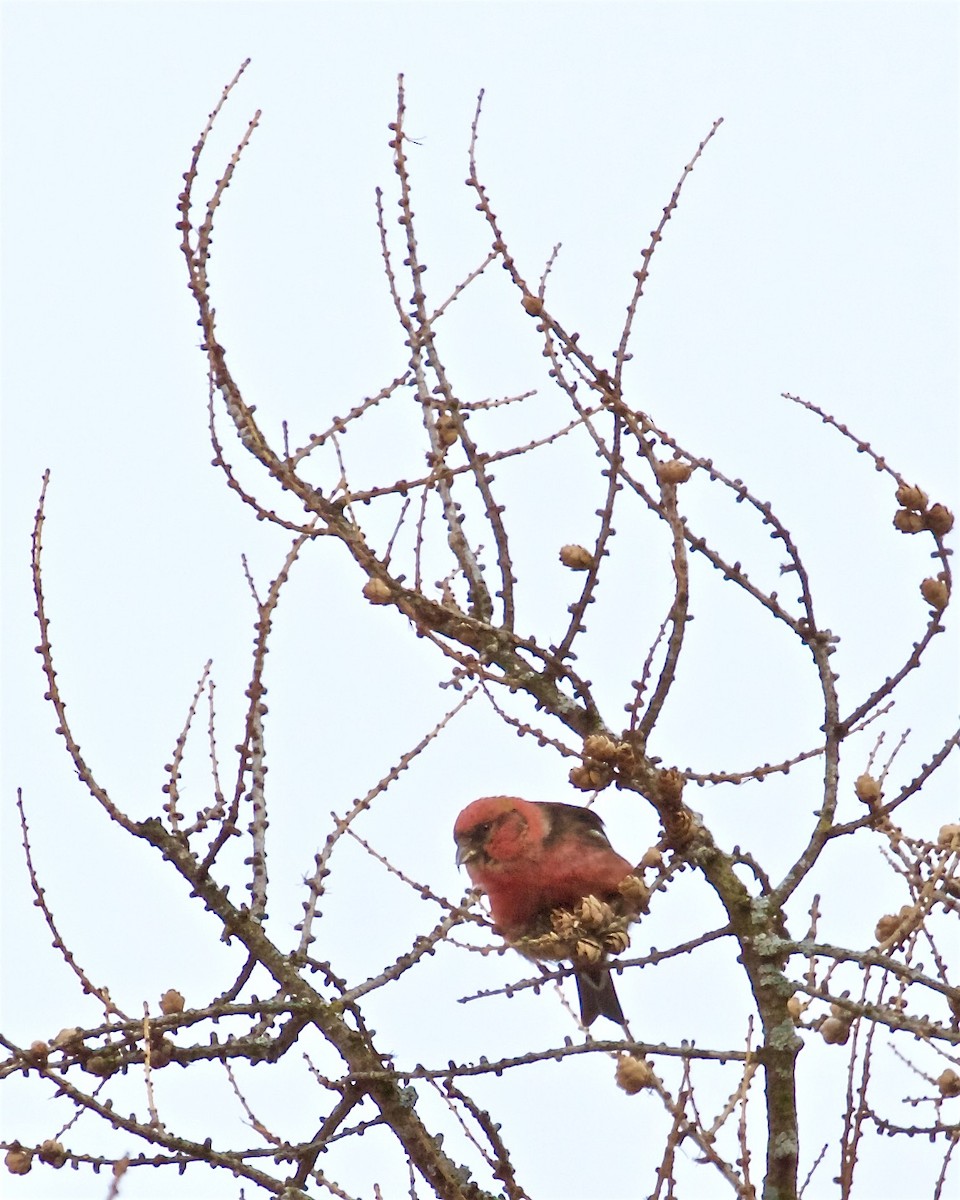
465,853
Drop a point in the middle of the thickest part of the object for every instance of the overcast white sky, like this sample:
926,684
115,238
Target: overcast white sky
815,251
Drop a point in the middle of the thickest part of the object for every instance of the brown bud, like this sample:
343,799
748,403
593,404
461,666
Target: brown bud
949,1083
37,1054
580,778
634,1074
577,558
547,945
674,471
867,789
907,521
911,497
447,430
936,593
938,519
795,1007
635,892
533,305
616,941
902,922
171,1002
103,1064
625,755
590,778
599,746
887,926
588,952
949,837
70,1039
52,1153
563,921
670,785
678,827
161,1052
835,1031
18,1160
377,592
593,913
652,859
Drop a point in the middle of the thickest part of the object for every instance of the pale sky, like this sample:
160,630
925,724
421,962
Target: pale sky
814,251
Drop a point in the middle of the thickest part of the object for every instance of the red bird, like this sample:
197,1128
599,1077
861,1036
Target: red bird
530,858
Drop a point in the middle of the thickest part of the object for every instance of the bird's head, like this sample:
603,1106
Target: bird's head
496,829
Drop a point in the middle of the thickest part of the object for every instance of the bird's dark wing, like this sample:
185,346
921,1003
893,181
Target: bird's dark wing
571,818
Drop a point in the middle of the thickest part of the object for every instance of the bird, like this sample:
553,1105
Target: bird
535,858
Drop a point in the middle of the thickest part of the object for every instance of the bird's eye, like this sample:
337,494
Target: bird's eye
483,829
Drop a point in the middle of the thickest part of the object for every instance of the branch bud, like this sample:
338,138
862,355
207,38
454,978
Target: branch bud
936,593
53,1154
949,837
907,521
377,592
590,777
171,1002
592,911
634,1074
867,789
69,1039
674,470
635,892
939,520
37,1054
161,1052
911,497
601,747
949,1083
616,941
103,1064
889,924
587,952
447,430
835,1031
669,786
577,558
18,1160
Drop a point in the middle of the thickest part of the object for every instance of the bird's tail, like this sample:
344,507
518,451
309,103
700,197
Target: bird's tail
598,997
